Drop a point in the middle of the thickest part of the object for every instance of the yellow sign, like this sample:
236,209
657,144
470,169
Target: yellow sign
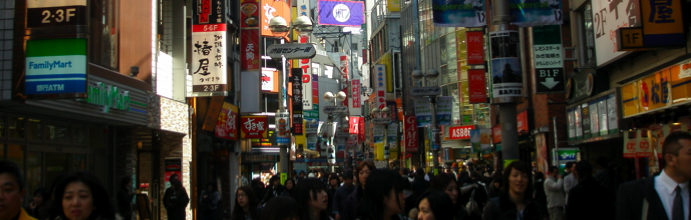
630,38
393,5
386,60
653,91
662,19
629,97
681,82
284,177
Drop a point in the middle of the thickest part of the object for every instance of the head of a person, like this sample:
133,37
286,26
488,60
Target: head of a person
245,198
553,171
474,175
434,205
302,174
210,187
40,196
568,166
383,195
419,173
311,196
80,195
445,183
174,176
677,154
281,208
275,181
403,171
290,184
539,175
176,183
294,173
363,170
497,183
583,170
518,179
334,181
12,195
348,179
126,182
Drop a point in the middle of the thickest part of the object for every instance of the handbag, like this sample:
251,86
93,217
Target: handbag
472,207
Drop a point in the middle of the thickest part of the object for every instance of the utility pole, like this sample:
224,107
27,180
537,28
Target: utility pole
507,104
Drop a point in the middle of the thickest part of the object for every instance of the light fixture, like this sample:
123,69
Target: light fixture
346,119
375,111
432,74
328,96
417,75
303,25
385,110
340,96
139,144
279,26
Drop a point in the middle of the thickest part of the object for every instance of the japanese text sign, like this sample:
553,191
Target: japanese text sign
380,85
354,125
477,89
361,131
291,51
269,10
355,92
608,16
249,49
410,136
296,87
283,124
662,23
476,50
341,13
209,11
253,127
226,125
209,58
460,132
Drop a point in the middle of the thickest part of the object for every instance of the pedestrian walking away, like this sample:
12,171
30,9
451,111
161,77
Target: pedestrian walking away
665,196
588,199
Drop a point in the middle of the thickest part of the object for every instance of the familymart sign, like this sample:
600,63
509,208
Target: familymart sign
55,66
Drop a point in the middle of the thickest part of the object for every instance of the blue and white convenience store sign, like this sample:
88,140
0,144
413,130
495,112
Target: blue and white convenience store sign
55,66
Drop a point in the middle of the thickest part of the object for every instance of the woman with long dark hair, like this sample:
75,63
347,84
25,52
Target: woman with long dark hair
383,198
362,172
312,199
80,195
281,208
446,183
515,201
176,200
290,185
246,204
435,205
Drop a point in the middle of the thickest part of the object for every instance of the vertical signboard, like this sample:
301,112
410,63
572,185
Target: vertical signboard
361,131
548,56
354,125
355,93
296,87
612,117
507,78
410,133
344,71
55,66
477,88
662,23
585,120
475,50
249,51
315,93
423,112
209,60
444,110
226,125
283,124
380,85
607,17
172,167
209,12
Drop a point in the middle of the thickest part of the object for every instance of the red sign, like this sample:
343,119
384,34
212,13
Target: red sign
475,48
249,15
354,125
361,131
522,122
460,132
630,149
344,67
496,134
226,125
205,6
253,126
355,92
477,89
410,133
250,49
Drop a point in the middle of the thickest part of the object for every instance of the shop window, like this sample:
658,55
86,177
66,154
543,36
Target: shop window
34,131
15,153
79,135
103,33
59,132
34,165
55,164
586,36
271,102
16,127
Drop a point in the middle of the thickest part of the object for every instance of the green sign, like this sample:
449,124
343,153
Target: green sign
284,177
55,66
109,97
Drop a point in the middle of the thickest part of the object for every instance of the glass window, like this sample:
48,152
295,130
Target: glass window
59,132
56,164
34,129
34,165
79,134
15,153
589,35
104,36
16,126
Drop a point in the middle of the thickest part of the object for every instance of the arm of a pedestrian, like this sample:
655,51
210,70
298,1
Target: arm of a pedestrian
553,186
467,189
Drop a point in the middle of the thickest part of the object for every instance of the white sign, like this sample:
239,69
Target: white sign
291,51
341,12
267,79
548,56
209,59
164,76
329,71
612,120
608,16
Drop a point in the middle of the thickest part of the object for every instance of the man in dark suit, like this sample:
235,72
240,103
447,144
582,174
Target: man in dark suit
588,199
666,196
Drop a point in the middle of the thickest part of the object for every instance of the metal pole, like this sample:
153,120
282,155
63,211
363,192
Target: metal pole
507,111
281,109
433,126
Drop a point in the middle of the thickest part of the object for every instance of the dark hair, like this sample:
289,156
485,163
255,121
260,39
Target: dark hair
379,184
274,178
603,162
522,167
552,168
569,164
286,184
441,181
370,165
440,203
176,183
419,173
125,180
539,175
672,145
348,176
280,208
584,170
213,186
13,169
334,177
99,194
174,176
474,174
43,192
253,202
302,194
302,172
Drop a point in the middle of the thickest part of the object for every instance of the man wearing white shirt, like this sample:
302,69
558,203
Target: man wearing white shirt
665,196
570,180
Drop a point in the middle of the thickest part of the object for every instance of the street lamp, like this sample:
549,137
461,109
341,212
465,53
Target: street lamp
280,27
333,113
431,92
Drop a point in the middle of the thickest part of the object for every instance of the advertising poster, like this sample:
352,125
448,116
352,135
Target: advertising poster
378,133
585,120
269,10
459,13
268,79
354,125
536,13
477,88
172,167
461,132
444,110
249,55
283,124
486,139
607,18
602,111
209,58
249,14
209,12
423,112
475,140
311,121
631,143
312,142
612,118
475,49
594,119
253,127
304,8
542,155
226,125
645,149
341,13
507,78
410,136
344,71
391,135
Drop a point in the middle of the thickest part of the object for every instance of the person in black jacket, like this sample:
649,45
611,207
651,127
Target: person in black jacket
581,203
633,196
275,189
516,201
539,192
175,200
125,196
334,183
342,194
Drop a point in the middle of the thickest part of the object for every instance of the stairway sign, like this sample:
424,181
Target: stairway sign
549,60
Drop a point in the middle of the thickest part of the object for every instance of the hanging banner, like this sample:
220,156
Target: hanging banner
341,13
542,12
209,59
269,10
361,131
507,78
253,127
296,87
475,49
226,125
486,139
474,136
249,51
410,135
542,156
549,62
209,12
477,88
315,91
283,124
306,66
423,112
354,126
249,15
444,110
378,133
355,93
380,84
344,71
496,134
607,18
459,13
